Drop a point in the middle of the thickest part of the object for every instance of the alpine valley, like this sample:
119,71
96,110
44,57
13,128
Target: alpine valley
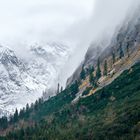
101,100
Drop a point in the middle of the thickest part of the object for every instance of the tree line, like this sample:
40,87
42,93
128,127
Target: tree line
95,75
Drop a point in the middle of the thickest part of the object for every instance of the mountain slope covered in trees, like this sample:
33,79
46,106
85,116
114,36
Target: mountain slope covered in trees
111,113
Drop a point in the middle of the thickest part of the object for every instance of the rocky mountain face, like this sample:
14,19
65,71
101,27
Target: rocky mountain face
23,81
90,57
47,61
126,37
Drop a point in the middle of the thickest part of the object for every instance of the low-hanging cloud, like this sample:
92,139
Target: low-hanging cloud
107,15
78,22
37,20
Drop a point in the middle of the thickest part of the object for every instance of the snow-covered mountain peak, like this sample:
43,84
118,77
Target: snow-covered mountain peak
23,81
8,56
16,84
50,51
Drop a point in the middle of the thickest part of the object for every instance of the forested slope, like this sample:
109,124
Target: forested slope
113,113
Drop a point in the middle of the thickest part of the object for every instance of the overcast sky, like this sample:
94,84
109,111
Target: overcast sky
36,20
40,19
78,22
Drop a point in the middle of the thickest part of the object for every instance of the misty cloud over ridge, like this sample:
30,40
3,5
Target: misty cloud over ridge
107,15
39,19
34,20
76,22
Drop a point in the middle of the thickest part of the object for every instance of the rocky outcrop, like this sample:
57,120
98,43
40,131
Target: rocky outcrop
127,37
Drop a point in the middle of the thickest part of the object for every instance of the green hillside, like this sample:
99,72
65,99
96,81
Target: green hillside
113,113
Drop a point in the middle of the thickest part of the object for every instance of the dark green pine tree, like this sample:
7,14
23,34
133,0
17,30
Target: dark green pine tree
21,134
27,110
75,87
3,122
36,105
83,74
105,68
127,48
23,112
91,69
58,88
113,57
98,71
92,79
61,89
27,107
16,116
121,52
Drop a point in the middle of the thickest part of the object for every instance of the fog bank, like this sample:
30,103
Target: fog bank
107,16
77,23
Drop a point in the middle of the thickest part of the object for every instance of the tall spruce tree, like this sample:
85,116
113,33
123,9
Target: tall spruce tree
92,79
113,57
91,69
75,87
3,122
16,116
61,89
98,71
58,88
121,52
127,48
83,74
27,107
105,68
